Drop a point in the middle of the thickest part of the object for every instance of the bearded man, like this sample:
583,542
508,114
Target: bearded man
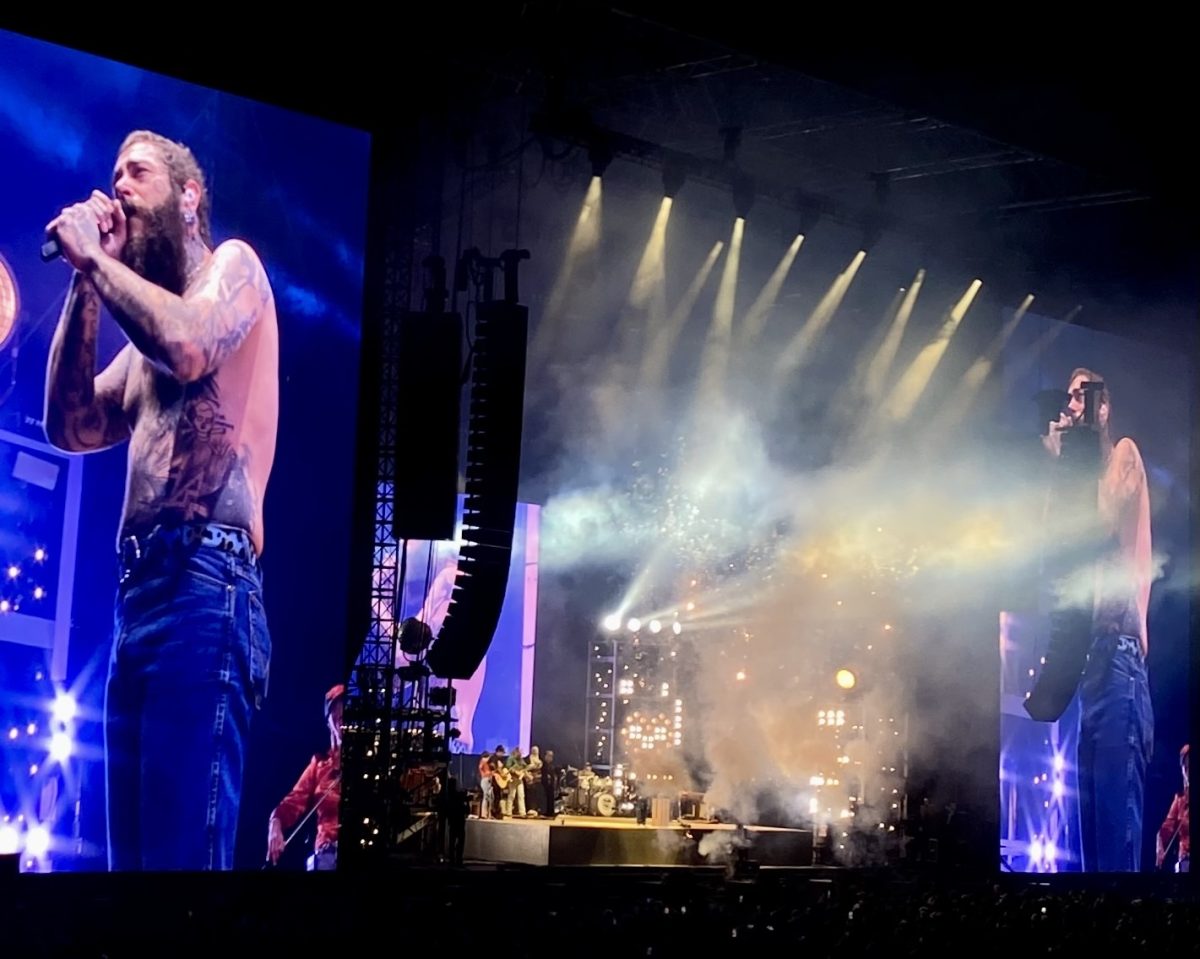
196,393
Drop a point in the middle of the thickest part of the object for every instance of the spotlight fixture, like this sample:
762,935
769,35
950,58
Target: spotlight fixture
9,304
846,679
743,195
61,747
415,636
600,154
10,840
673,177
64,708
872,233
37,841
807,218
443,696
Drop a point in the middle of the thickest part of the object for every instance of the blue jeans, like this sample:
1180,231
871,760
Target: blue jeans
1116,738
188,669
485,802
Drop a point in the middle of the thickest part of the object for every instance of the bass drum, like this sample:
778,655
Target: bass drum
577,801
604,804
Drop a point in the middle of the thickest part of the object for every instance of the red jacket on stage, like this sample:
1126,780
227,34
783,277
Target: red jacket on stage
321,782
1177,821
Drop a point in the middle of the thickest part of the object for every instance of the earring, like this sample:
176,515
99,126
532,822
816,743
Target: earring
189,217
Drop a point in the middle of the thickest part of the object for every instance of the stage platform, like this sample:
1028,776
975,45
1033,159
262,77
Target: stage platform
597,841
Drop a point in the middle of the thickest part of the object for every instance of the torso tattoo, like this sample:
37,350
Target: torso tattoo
1123,565
186,461
195,390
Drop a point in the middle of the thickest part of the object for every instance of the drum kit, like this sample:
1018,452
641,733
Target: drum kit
586,794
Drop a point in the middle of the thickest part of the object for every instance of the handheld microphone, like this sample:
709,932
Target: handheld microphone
1050,403
51,249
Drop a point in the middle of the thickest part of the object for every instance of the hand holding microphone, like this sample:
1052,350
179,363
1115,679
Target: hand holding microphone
1052,440
98,222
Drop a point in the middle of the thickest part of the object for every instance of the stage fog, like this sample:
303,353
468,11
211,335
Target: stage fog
792,482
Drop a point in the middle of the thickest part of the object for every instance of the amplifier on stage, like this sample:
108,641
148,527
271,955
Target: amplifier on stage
692,806
660,811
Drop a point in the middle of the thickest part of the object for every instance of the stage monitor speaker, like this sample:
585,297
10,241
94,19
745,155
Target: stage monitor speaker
427,409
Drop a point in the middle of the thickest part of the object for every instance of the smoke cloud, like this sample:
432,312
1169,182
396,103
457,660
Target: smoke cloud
795,525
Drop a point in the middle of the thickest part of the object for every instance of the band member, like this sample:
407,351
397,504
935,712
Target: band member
195,392
1174,835
319,791
452,807
517,770
485,786
500,778
549,784
533,783
1117,724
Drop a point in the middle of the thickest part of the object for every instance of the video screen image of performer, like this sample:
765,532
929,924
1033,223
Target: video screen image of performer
317,792
1174,840
1117,721
195,394
497,699
186,302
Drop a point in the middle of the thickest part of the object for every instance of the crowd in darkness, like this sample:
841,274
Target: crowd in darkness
588,912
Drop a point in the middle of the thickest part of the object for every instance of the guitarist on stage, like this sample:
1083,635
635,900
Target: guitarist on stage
501,778
518,770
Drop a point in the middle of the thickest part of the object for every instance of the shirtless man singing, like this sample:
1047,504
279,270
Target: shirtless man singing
196,393
1116,732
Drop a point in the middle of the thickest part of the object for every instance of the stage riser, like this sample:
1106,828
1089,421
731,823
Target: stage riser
548,844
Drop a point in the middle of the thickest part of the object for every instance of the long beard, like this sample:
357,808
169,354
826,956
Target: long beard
157,245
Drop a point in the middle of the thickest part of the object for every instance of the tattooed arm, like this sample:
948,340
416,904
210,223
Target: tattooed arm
1133,518
84,412
187,336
